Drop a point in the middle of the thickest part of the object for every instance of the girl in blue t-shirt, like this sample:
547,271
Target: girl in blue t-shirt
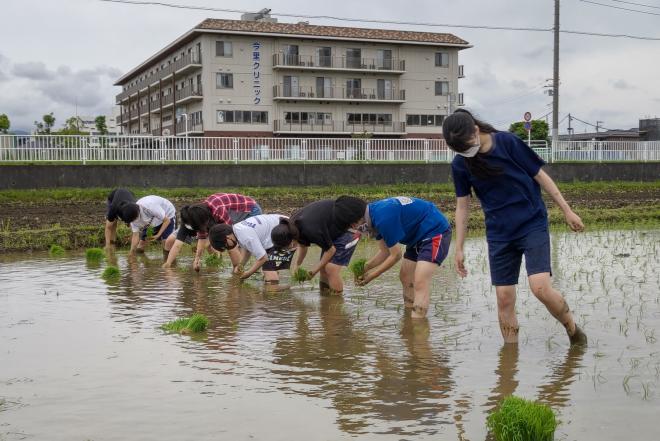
506,176
424,230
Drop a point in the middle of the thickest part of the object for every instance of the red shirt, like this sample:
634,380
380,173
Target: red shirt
221,204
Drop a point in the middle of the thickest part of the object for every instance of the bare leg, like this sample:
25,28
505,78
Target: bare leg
556,305
506,312
407,277
174,251
110,233
169,242
423,279
332,275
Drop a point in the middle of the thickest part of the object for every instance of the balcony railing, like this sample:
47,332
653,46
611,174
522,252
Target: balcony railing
189,60
181,129
337,93
348,63
189,91
338,127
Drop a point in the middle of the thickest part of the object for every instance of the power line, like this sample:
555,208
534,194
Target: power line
589,124
369,20
637,4
620,7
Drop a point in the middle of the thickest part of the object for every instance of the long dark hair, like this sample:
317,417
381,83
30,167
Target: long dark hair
458,131
284,233
197,216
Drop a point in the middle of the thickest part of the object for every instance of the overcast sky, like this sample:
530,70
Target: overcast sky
59,53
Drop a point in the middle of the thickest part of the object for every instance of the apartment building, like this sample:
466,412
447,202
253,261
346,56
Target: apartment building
258,77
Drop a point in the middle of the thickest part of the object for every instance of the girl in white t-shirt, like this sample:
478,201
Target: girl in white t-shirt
152,211
254,237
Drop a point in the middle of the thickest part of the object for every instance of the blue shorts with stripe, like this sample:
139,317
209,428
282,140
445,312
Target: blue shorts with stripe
434,249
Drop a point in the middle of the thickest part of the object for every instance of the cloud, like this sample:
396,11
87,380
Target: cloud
31,89
33,70
4,64
622,84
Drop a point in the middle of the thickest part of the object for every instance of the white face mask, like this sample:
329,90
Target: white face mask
472,151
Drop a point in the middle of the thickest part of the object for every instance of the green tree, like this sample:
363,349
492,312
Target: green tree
539,130
4,123
100,124
47,123
72,127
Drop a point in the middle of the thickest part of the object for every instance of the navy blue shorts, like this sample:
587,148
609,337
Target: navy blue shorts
505,257
278,259
168,231
342,254
433,249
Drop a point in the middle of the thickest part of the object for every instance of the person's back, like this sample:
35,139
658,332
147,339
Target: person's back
406,220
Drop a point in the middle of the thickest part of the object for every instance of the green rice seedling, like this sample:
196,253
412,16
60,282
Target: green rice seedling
111,273
301,275
56,250
94,254
518,419
357,268
190,325
213,260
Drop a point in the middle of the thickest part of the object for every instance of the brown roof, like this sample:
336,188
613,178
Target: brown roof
294,29
329,31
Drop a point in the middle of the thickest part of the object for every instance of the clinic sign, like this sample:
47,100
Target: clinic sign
256,72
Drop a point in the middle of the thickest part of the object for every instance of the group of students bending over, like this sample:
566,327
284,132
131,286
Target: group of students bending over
235,223
504,173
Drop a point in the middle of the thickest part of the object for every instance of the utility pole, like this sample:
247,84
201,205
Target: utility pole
555,79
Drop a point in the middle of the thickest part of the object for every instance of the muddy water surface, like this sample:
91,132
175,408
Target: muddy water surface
84,359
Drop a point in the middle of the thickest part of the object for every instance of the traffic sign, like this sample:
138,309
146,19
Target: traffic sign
528,116
528,125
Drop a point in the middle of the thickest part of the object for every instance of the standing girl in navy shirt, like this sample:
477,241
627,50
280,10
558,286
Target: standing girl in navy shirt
424,230
506,176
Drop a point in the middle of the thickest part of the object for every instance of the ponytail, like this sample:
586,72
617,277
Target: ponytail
458,131
284,233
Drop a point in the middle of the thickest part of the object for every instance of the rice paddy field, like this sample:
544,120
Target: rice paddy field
86,357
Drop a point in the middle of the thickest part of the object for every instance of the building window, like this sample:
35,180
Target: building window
354,58
369,118
354,88
441,59
424,120
385,89
316,118
325,56
441,88
291,57
384,59
323,87
224,81
223,49
241,116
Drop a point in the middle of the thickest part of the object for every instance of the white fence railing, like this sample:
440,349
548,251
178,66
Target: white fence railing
85,149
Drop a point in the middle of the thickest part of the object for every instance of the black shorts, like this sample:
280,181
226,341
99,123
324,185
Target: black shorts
278,259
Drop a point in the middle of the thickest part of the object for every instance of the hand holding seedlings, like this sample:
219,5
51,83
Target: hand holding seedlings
364,279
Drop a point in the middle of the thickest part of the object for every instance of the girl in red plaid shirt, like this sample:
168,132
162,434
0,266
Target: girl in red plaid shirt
196,220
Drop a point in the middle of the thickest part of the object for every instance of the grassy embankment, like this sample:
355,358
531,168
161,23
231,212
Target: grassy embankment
602,205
